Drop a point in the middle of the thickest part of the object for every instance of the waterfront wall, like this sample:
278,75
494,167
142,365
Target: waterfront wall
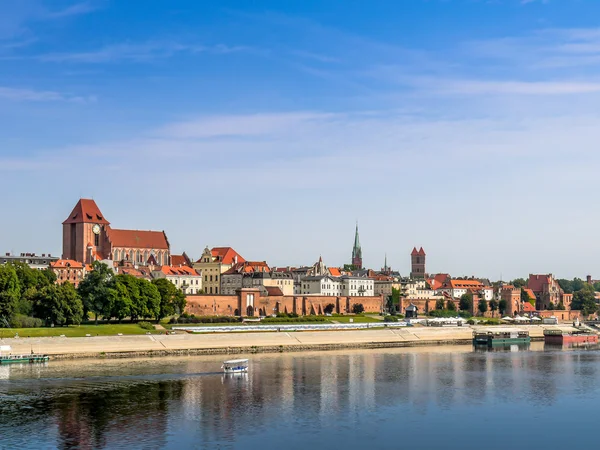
248,302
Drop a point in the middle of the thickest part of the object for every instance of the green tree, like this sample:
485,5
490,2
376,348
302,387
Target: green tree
482,306
493,305
349,267
597,286
172,299
466,302
329,308
519,282
10,291
585,300
93,290
560,306
502,306
578,284
150,296
551,306
73,306
119,303
48,306
358,308
566,285
524,296
396,296
137,307
439,304
450,306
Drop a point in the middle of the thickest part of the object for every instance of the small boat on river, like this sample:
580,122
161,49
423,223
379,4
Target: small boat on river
20,359
560,337
494,338
235,366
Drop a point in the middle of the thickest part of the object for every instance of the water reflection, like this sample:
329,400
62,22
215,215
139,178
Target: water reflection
184,403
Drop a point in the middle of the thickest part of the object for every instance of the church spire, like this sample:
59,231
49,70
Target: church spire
357,251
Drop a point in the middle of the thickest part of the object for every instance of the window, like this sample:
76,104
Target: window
211,278
96,240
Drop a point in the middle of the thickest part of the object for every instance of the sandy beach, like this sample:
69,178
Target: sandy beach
235,343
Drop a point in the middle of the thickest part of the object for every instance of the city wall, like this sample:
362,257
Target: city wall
248,302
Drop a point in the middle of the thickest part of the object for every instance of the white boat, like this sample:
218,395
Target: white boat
235,366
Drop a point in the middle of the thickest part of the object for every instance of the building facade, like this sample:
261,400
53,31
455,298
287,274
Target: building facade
213,263
88,237
326,285
38,262
233,278
68,270
183,277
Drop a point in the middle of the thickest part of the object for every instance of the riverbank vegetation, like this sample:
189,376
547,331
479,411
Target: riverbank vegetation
31,298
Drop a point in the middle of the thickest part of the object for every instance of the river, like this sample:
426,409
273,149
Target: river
420,398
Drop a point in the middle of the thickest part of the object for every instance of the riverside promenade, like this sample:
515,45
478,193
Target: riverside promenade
255,342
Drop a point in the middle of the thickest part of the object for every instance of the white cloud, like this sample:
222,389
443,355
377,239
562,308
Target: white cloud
17,94
137,52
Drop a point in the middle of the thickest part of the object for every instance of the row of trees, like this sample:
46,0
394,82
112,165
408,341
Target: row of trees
465,304
25,292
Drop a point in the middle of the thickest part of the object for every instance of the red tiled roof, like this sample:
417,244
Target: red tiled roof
437,280
86,211
335,272
414,252
465,284
421,252
179,260
226,255
248,267
66,263
273,291
182,271
528,307
530,293
138,239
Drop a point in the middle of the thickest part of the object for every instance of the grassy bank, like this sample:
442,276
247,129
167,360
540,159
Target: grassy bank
75,330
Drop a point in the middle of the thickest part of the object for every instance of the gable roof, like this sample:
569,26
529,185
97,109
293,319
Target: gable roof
273,291
437,280
181,260
464,284
335,272
178,271
226,255
138,239
86,211
66,263
528,307
529,293
414,252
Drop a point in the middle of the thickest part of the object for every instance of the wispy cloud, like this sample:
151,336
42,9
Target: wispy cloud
137,52
73,10
30,95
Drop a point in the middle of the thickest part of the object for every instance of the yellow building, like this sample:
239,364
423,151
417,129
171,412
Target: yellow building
213,263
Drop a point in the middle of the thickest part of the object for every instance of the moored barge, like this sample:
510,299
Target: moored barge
560,337
494,338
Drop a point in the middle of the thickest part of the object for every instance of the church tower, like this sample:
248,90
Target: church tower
84,233
417,258
357,251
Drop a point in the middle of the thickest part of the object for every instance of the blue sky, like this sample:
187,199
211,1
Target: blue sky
467,127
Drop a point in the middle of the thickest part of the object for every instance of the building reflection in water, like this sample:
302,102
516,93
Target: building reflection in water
312,391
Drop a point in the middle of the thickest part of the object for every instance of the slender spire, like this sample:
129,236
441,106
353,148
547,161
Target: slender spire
356,250
385,267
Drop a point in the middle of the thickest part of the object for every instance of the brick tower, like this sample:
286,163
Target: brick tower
417,258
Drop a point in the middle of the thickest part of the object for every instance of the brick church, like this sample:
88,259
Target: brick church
88,237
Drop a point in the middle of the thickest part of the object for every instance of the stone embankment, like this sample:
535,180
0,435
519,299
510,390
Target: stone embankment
244,343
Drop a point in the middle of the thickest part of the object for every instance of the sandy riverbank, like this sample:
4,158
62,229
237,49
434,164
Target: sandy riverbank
236,343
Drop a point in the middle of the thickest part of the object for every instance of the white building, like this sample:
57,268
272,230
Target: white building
184,278
337,286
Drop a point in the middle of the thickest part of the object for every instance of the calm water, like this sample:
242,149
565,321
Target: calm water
410,398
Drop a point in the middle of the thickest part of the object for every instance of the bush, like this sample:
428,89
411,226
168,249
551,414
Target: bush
146,325
293,319
442,313
491,322
471,322
205,319
22,321
390,319
358,308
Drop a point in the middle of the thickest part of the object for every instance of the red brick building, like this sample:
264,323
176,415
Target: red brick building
68,270
88,237
417,259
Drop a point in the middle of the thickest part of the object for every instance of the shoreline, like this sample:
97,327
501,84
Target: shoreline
136,346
